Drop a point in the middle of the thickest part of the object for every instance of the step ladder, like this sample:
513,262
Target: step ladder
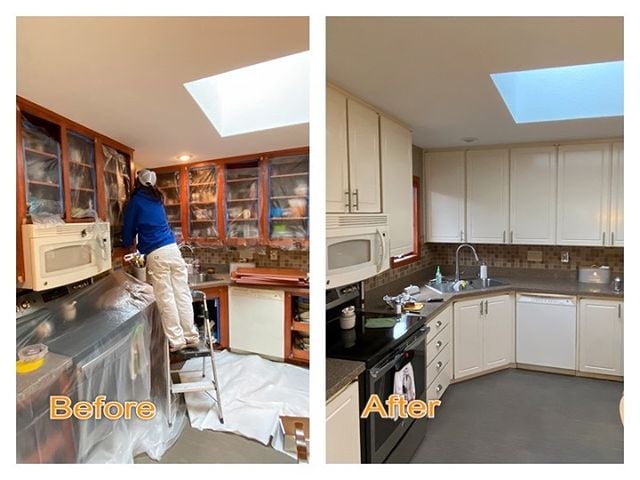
203,350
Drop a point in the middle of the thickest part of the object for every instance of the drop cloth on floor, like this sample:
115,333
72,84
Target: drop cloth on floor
255,393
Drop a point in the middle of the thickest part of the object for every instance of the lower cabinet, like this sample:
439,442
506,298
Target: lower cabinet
439,354
600,336
343,427
484,335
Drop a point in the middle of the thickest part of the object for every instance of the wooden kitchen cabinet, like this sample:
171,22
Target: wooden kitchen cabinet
288,194
396,159
484,335
533,196
169,182
444,175
296,328
218,298
343,427
353,156
600,336
487,196
584,173
617,196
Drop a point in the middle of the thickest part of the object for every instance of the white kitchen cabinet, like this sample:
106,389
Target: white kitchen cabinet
487,196
484,335
498,331
364,158
397,189
343,427
616,236
467,338
256,321
583,194
600,336
439,354
337,183
444,174
353,156
533,196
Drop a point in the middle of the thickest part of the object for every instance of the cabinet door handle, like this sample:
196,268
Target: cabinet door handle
348,197
619,311
486,307
603,237
438,344
357,200
504,236
438,388
438,324
439,365
481,308
461,235
612,239
511,236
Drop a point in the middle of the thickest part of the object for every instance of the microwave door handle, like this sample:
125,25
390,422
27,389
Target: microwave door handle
383,250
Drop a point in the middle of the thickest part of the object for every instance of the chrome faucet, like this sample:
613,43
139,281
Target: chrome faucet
458,258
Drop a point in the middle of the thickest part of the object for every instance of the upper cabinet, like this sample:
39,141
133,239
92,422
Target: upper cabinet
353,156
487,196
583,194
288,217
444,174
117,187
533,196
201,204
242,202
82,176
396,157
169,182
617,196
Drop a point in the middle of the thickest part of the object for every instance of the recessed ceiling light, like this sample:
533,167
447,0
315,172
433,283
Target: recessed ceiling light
258,97
184,158
563,93
469,139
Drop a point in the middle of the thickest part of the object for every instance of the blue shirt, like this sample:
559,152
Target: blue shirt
144,216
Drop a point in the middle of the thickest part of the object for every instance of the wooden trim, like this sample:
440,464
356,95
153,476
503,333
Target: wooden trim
255,157
508,146
600,376
288,320
184,207
220,200
65,172
21,205
101,193
415,254
263,195
221,293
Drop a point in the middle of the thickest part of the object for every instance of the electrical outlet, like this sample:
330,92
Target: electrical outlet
534,255
564,257
273,254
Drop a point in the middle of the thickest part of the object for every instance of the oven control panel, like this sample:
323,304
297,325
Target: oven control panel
30,302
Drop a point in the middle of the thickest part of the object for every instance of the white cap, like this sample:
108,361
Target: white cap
147,177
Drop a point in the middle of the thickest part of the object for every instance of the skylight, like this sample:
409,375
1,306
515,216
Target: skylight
563,93
258,97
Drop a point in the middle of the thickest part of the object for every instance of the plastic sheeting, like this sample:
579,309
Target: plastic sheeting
43,174
289,196
103,340
169,185
255,393
117,186
202,203
242,204
82,175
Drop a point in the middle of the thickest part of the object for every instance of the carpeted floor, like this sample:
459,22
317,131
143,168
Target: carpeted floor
518,416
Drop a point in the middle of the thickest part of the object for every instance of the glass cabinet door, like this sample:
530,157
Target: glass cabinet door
42,167
288,198
117,186
203,203
82,175
169,184
242,205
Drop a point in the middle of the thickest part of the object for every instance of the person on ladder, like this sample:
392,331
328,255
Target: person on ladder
145,217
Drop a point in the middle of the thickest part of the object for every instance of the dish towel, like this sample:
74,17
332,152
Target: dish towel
404,384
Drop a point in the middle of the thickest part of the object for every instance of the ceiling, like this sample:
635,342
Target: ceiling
124,76
433,72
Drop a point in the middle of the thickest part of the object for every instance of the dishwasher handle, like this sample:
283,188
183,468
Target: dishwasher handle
547,299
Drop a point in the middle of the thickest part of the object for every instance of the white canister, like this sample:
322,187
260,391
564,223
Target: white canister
483,271
348,318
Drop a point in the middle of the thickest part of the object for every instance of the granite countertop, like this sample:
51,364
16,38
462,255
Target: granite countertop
340,373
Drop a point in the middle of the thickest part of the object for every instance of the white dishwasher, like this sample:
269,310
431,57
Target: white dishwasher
256,321
546,330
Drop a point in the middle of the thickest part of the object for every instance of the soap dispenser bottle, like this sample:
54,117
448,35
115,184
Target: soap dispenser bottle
438,275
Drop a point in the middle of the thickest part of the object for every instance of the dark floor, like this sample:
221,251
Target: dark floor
517,416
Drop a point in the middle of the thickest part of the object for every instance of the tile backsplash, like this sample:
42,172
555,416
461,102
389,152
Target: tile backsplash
261,256
506,256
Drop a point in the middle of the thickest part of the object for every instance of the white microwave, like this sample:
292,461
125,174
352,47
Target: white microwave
357,247
56,255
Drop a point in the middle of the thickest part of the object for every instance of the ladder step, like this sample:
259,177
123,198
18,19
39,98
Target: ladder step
192,386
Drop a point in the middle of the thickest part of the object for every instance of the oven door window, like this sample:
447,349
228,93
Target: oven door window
349,253
383,386
66,258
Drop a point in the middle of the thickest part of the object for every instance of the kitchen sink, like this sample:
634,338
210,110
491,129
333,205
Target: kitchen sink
196,278
451,286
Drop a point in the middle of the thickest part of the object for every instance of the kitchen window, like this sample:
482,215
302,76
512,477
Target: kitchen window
414,255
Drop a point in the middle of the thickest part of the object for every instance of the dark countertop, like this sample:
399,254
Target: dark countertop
340,373
28,384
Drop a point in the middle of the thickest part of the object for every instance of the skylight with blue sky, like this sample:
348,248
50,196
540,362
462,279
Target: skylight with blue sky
563,93
258,97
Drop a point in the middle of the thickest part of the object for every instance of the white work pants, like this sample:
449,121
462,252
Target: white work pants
169,277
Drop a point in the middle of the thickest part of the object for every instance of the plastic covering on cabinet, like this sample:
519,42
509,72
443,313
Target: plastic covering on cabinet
82,175
203,203
107,340
289,197
117,185
242,204
169,185
42,170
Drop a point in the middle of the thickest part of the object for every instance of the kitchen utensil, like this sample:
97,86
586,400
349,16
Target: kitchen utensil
617,284
69,311
348,318
413,306
433,300
31,358
412,289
